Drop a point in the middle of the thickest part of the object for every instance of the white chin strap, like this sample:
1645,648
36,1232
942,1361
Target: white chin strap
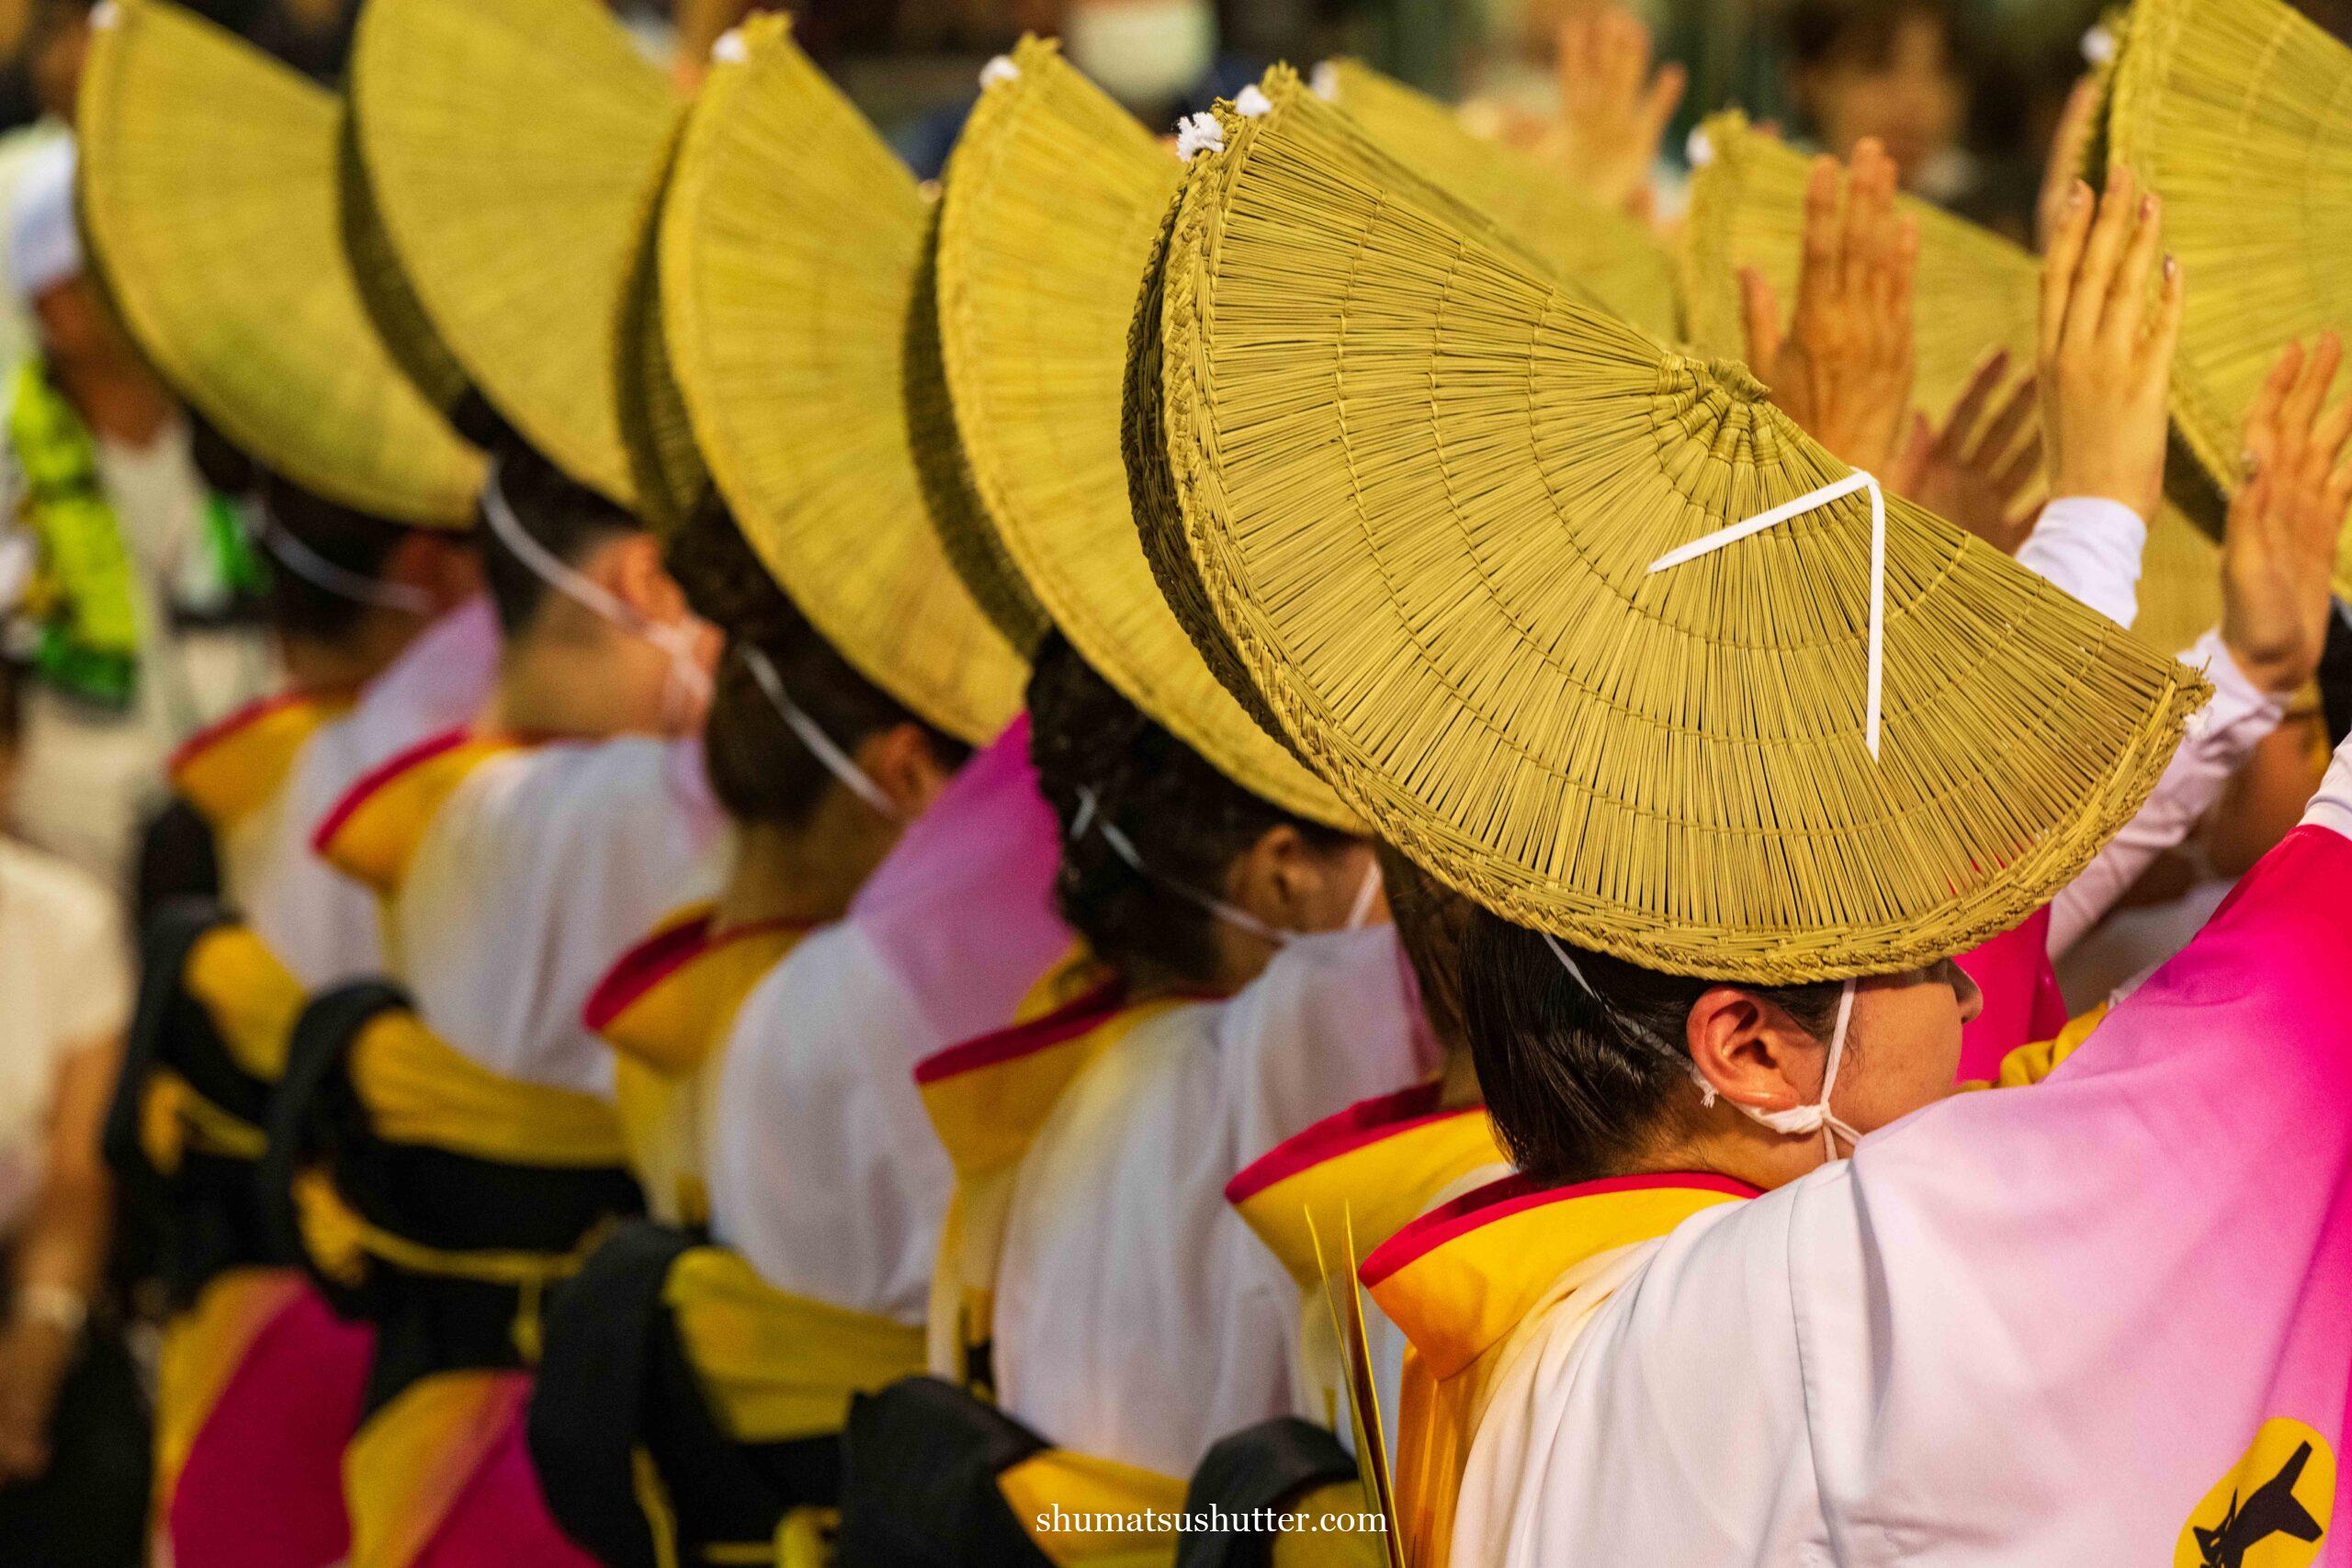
1090,819
689,682
292,554
821,746
1798,1120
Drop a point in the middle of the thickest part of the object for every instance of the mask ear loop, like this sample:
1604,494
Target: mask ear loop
290,552
821,746
1360,913
686,673
1797,1121
1090,818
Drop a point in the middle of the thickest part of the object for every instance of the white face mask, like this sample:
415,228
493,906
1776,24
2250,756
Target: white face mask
1146,53
1092,820
686,691
1798,1120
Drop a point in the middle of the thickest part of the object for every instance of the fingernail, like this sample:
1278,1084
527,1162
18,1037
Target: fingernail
2076,196
2172,267
2147,206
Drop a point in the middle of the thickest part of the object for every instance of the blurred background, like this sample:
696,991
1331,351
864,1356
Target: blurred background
1965,92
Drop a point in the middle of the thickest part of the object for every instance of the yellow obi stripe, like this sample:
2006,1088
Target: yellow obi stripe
409,1464
252,999
373,833
776,1367
232,769
1070,1504
2031,1064
202,1350
417,1090
175,1119
667,1009
1459,1280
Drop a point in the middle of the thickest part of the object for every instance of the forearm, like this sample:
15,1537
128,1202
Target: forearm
64,1242
2090,547
2220,738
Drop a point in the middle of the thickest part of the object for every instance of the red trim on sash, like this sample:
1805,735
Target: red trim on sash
373,781
1366,1121
1513,1195
1066,1024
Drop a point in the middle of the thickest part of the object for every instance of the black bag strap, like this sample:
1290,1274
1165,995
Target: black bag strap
1264,1466
313,1114
919,1463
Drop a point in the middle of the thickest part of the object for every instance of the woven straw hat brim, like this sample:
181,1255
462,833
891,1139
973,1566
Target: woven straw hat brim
1975,291
219,240
2239,114
965,529
1424,490
789,253
664,463
512,147
1055,197
384,289
1611,255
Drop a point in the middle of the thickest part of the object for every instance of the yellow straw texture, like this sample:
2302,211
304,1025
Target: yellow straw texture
664,463
1424,490
1054,198
789,252
391,301
218,236
2239,114
512,147
1613,255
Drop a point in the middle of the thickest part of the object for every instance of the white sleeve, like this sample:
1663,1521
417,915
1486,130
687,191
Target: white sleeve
2221,736
2090,547
2332,806
92,954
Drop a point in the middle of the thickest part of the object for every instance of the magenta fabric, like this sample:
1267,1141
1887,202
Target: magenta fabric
500,1519
2022,1002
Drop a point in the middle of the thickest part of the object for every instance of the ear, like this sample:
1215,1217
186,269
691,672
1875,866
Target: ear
900,760
443,567
630,568
1750,1051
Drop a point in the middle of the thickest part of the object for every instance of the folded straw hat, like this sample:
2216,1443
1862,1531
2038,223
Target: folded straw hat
1612,253
789,253
512,148
208,185
1425,494
2235,111
965,527
1055,197
1976,291
664,463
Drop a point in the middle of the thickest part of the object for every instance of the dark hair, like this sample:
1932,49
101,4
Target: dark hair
1863,32
758,767
12,703
567,520
353,541
1430,918
1187,821
1578,1088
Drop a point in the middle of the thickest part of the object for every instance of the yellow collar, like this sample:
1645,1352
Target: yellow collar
671,998
1365,1173
372,834
1461,1277
231,770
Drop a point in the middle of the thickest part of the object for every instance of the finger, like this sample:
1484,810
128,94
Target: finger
1664,98
2328,442
2012,419
1917,452
1818,278
2096,274
2129,294
1570,63
1869,238
1760,313
2262,417
2068,149
2301,411
2014,478
2059,267
1968,409
2162,339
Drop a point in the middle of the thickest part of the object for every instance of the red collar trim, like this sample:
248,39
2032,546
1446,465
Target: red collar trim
1366,1121
1513,1195
1064,1024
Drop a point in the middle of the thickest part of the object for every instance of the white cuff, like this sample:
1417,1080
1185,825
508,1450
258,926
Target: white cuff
2241,712
2090,547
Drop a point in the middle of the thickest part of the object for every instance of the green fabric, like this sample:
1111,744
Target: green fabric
84,593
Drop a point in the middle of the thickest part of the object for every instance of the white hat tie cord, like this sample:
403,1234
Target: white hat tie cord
807,731
1812,501
292,553
1090,818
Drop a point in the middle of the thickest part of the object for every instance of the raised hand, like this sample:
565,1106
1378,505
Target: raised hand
1977,470
2108,334
1615,106
1843,369
2068,148
2278,551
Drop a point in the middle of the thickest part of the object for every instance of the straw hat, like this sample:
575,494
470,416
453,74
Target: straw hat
392,304
1612,253
218,237
664,463
1055,197
1425,493
512,148
2233,111
789,249
1975,291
